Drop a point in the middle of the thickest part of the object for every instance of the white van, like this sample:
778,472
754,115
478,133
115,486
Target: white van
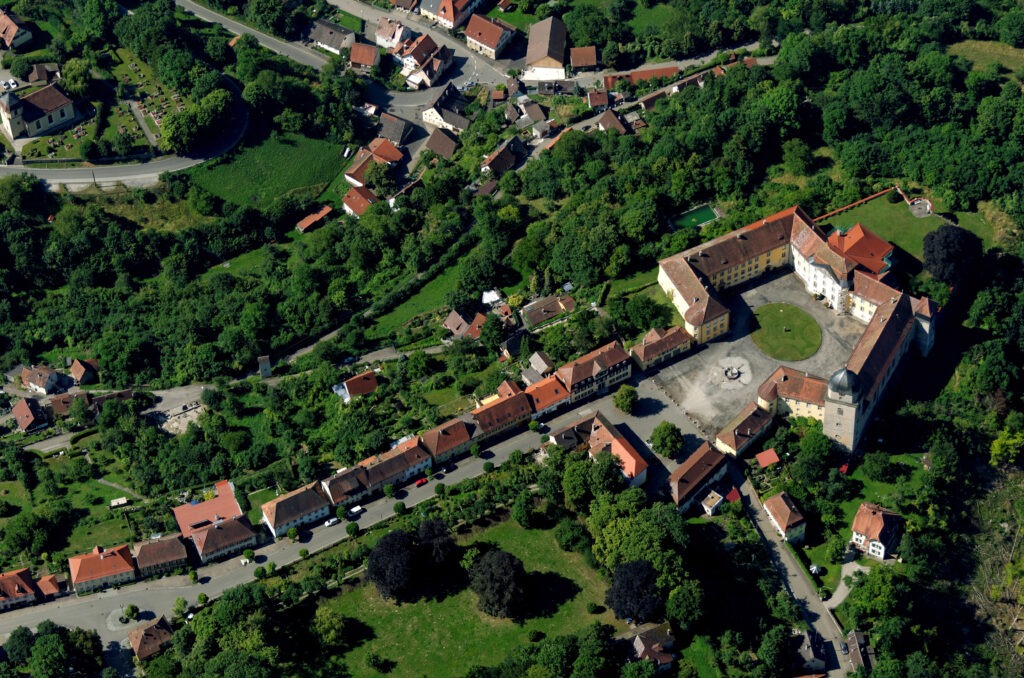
355,511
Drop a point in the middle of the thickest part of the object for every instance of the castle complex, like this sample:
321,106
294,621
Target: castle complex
848,271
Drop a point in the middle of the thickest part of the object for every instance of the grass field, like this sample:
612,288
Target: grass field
14,493
349,21
162,215
786,332
894,223
451,635
657,294
633,282
879,493
981,53
256,500
257,175
701,654
429,298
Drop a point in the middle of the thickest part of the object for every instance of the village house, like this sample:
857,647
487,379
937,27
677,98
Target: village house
655,645
28,415
363,57
423,61
546,309
60,405
786,517
547,395
85,371
609,121
314,219
598,101
358,200
545,50
101,568
488,36
596,371
401,463
149,639
791,392
448,13
299,507
360,384
389,34
217,527
330,36
500,412
224,538
394,129
442,143
13,31
504,158
583,58
449,439
875,530
380,151
694,476
159,556
42,379
347,486
463,328
446,111
743,430
597,435
52,586
16,589
43,74
659,346
405,5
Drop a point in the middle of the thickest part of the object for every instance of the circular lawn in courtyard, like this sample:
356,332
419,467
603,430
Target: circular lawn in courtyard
785,332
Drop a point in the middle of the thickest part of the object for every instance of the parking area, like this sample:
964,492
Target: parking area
698,384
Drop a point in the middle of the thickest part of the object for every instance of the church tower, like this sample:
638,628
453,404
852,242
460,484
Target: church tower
842,408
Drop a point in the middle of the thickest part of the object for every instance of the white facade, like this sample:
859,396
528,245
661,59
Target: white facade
543,74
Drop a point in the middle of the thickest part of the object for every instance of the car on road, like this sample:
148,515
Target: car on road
421,482
355,511
330,521
844,647
450,468
13,83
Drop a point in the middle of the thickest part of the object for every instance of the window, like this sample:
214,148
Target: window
839,411
63,113
49,118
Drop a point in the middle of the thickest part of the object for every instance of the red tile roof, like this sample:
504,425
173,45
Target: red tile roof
592,364
160,552
790,384
881,342
446,437
583,57
27,413
313,218
223,506
691,474
362,384
8,27
637,77
875,522
361,54
50,585
597,99
294,505
358,199
767,458
385,150
610,121
503,412
148,640
81,368
598,435
548,392
99,564
37,375
862,246
223,535
485,31
659,341
745,427
784,511
473,332
16,585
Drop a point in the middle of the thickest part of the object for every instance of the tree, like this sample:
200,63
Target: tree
399,508
634,592
667,439
391,565
131,612
293,534
389,491
685,605
951,253
626,398
773,650
49,658
352,529
492,333
522,509
328,626
796,157
249,555
19,645
180,608
498,578
436,541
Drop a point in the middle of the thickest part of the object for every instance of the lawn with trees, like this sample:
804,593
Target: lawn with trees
786,332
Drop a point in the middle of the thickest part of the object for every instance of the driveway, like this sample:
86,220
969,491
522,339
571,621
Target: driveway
800,588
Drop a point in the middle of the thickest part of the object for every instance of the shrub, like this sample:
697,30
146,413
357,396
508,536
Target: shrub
399,508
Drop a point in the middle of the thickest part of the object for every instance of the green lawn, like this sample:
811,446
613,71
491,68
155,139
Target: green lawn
349,21
429,298
701,655
451,635
448,400
245,263
981,53
14,493
786,332
894,223
258,499
634,282
883,494
258,175
102,526
657,294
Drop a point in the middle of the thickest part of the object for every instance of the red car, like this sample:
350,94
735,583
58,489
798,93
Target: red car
421,482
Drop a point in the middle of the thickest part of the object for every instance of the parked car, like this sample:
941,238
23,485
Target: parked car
355,511
13,83
330,521
421,482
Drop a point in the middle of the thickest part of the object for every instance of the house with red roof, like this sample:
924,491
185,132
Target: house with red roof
363,57
347,486
16,589
403,462
660,345
596,434
875,530
500,412
743,430
583,58
13,31
792,392
149,639
85,371
160,556
692,479
547,395
358,200
217,527
786,517
101,568
488,36
449,439
28,415
767,458
596,371
41,379
361,384
52,586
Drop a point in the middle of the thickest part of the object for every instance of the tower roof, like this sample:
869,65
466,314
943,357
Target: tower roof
844,382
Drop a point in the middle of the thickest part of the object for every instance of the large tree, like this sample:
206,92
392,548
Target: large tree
626,398
391,565
634,592
951,253
436,542
667,439
498,578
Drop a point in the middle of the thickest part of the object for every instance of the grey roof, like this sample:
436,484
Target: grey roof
430,6
393,128
331,34
844,382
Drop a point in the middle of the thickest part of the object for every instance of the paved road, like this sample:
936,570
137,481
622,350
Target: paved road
295,51
101,611
797,582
